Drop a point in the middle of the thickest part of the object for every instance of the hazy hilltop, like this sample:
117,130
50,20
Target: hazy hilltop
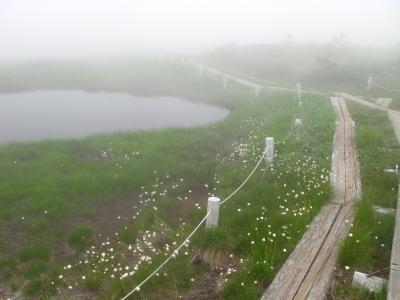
319,64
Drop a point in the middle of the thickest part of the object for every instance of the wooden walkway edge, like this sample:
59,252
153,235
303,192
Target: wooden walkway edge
393,292
308,271
394,277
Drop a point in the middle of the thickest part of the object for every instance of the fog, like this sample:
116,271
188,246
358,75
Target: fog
70,29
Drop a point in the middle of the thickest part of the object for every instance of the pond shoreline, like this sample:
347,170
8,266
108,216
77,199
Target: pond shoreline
53,114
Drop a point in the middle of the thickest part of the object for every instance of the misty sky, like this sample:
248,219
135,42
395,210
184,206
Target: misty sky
40,29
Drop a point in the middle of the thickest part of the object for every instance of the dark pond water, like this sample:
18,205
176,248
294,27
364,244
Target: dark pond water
38,115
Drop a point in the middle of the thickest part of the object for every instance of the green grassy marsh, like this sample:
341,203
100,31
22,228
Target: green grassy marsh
95,216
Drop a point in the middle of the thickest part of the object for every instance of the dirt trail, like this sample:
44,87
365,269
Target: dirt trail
308,271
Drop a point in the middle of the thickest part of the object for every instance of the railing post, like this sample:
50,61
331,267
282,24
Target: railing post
213,211
201,70
369,83
298,87
269,150
224,81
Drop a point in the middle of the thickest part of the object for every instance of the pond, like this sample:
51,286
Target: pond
55,114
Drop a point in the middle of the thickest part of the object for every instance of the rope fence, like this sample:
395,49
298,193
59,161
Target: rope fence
244,182
173,255
187,239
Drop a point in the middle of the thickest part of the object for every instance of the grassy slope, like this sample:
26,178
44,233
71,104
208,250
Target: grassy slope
58,185
368,249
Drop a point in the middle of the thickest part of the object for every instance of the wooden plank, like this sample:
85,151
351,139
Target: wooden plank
292,273
338,153
318,279
320,274
361,101
385,102
394,277
394,115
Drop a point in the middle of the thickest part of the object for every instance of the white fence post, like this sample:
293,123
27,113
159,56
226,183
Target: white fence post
269,150
297,122
298,87
213,210
200,71
369,83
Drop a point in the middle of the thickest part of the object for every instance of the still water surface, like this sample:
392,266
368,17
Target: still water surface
50,114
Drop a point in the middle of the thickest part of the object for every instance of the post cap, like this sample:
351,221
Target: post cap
214,199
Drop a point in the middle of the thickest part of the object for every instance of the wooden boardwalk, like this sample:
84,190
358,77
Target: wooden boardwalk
308,271
394,277
393,292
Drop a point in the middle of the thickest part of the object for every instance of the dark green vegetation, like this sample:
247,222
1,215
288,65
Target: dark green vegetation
368,247
81,238
97,215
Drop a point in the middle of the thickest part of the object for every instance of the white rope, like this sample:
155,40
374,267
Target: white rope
285,138
255,168
176,251
174,254
244,182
